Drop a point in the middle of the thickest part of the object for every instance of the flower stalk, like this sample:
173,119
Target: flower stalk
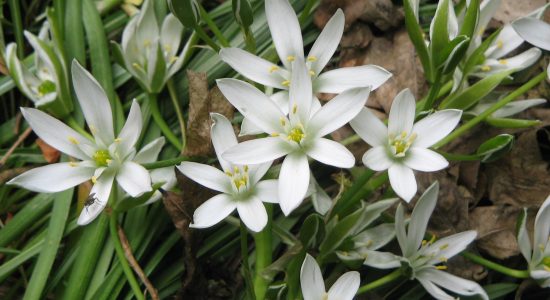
263,243
522,274
393,276
155,112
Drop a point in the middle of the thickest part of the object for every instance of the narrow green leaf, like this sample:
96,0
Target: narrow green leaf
43,267
8,267
495,148
309,229
74,33
511,123
470,19
460,46
417,38
440,35
471,95
497,290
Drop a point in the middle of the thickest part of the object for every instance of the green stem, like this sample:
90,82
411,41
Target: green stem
482,116
212,25
342,203
73,123
189,47
179,114
244,257
432,94
15,11
202,34
263,242
155,112
444,90
165,163
122,257
522,274
380,282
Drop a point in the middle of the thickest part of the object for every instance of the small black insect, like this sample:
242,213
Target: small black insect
90,201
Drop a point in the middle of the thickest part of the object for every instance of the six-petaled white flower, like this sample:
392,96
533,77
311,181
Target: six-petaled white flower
297,136
287,37
538,256
239,183
423,259
103,159
313,286
403,146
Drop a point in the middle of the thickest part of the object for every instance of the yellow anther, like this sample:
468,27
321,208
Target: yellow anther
481,30
147,43
137,66
503,61
228,173
73,140
275,134
369,243
441,267
295,108
432,240
236,170
312,58
499,44
424,242
73,164
290,58
117,140
486,68
108,161
443,259
94,179
283,121
173,59
286,83
403,134
273,69
311,73
92,129
245,168
167,48
443,247
546,268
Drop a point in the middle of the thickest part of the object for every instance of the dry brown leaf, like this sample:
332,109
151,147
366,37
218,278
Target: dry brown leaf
50,154
198,123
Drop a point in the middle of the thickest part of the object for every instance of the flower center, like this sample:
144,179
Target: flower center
102,158
46,87
296,134
239,178
401,143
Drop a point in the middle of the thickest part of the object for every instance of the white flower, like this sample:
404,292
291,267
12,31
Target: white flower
102,159
507,110
150,52
403,146
298,136
534,31
44,85
506,42
240,184
426,259
313,286
287,37
538,255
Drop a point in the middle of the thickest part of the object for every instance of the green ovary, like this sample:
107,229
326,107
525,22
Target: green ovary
102,158
46,87
296,135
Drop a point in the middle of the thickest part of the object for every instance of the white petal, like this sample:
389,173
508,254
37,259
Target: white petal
338,111
253,104
370,128
205,175
213,211
522,60
249,128
506,41
134,179
339,80
53,178
311,279
268,190
285,30
517,106
257,151
252,213
375,237
171,34
377,159
424,160
131,131
327,42
256,172
345,287
300,93
381,260
524,242
402,181
293,181
420,217
453,283
331,153
400,232
281,100
452,245
436,126
402,113
252,67
147,27
101,191
434,290
488,8
55,133
94,104
165,175
223,137
150,152
542,227
534,31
